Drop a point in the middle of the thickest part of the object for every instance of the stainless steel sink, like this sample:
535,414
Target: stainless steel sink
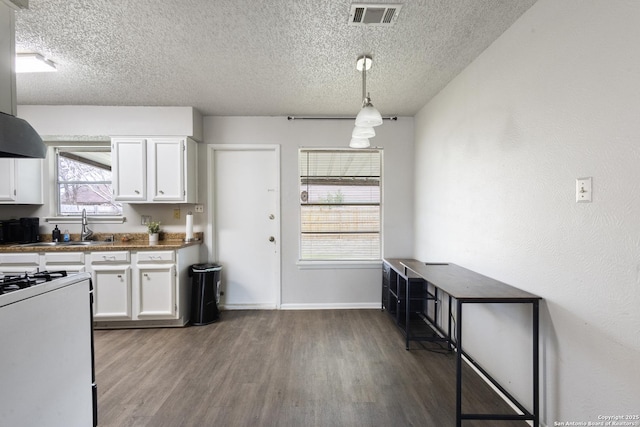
38,244
56,244
87,243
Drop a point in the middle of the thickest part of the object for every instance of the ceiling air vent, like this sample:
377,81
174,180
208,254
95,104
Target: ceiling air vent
374,14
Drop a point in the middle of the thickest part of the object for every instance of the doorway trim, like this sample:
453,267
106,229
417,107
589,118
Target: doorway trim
211,240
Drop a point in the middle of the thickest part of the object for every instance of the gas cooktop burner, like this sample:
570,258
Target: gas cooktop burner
14,282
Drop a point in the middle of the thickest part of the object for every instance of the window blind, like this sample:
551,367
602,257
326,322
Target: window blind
340,193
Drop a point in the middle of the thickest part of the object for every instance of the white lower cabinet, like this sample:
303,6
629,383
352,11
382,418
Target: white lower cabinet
155,285
131,288
111,273
151,289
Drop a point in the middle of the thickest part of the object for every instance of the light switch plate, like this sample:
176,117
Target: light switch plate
583,190
145,219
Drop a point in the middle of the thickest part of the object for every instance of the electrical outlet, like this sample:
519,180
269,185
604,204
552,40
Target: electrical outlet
145,219
176,213
199,208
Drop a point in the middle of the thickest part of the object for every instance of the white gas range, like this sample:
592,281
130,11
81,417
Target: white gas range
47,373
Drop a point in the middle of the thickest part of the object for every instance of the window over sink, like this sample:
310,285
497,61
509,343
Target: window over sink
83,181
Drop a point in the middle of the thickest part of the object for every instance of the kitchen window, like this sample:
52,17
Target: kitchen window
83,181
340,215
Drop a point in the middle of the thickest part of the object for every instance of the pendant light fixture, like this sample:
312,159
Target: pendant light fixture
359,143
363,132
368,117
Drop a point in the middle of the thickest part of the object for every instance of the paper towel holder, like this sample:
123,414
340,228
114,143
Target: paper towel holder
188,237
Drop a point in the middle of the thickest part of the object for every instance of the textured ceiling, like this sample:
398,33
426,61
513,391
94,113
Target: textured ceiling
251,57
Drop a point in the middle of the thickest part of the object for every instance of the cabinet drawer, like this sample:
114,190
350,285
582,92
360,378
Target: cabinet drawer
20,259
109,257
64,258
156,256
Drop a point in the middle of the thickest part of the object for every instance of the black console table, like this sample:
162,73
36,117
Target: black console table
411,292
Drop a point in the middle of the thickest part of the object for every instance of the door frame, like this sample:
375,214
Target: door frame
211,238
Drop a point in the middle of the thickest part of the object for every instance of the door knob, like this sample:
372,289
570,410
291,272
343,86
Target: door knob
272,239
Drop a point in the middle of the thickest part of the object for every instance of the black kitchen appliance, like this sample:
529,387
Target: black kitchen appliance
23,230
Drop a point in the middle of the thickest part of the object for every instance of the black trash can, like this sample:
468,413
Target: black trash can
205,294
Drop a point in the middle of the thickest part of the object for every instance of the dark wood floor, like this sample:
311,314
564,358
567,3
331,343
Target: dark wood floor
281,368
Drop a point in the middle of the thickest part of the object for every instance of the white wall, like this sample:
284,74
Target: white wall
108,121
315,288
555,98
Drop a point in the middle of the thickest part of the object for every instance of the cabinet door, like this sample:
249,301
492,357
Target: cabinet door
29,181
157,292
129,164
166,166
7,180
112,292
21,181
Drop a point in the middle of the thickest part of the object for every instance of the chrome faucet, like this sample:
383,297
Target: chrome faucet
86,232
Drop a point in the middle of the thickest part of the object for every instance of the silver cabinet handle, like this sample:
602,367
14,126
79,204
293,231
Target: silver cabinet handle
272,239
161,192
136,191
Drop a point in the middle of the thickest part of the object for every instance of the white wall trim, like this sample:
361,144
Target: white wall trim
230,307
333,265
333,306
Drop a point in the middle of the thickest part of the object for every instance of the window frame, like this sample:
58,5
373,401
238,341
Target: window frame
321,263
54,188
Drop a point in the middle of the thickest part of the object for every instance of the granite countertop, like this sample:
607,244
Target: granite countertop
121,242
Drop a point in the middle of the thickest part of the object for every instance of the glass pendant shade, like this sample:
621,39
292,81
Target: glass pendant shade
363,132
359,143
368,116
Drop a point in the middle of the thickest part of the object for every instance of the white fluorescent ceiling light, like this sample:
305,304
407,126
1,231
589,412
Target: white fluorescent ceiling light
33,63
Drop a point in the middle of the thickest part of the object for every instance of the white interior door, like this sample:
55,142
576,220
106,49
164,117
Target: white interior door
246,218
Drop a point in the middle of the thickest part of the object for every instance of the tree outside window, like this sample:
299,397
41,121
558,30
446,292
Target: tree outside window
84,182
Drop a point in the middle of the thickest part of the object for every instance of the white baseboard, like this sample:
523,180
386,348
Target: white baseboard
248,307
332,306
313,306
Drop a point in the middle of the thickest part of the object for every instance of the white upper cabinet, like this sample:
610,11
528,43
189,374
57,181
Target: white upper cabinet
129,164
21,181
129,169
154,170
166,173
